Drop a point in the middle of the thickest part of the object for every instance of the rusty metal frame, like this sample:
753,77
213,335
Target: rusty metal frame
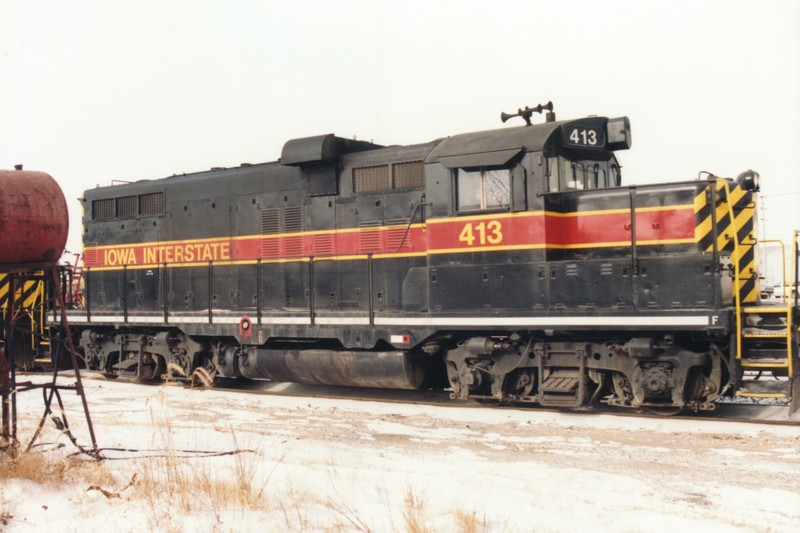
50,390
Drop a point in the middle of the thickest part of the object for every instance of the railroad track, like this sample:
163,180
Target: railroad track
726,412
750,413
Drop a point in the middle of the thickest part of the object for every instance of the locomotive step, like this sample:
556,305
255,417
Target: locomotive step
764,352
774,350
561,383
765,362
764,389
126,364
760,333
563,388
765,309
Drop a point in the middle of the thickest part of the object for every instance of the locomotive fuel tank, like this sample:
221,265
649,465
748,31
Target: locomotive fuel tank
34,221
387,369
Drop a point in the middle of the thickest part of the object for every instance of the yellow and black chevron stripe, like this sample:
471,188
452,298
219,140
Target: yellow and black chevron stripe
29,307
28,296
743,224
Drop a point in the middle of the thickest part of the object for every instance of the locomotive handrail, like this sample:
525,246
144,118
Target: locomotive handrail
411,222
783,262
164,292
311,303
796,267
634,249
735,255
789,326
88,296
125,293
258,291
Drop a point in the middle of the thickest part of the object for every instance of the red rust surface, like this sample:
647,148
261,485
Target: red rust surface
34,221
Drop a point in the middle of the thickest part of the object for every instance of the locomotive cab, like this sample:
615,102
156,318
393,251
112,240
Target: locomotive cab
509,169
584,159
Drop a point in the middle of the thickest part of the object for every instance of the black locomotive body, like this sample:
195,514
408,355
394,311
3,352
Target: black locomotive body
506,265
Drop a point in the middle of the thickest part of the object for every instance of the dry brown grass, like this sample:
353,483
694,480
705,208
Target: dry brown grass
469,523
172,483
416,518
48,469
191,484
45,468
414,513
175,484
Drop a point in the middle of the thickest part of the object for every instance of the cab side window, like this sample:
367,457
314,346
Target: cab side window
576,175
552,174
483,189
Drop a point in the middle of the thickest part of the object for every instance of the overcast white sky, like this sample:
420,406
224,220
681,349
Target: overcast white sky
95,91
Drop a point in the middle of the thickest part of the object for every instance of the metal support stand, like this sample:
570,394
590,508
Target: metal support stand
50,391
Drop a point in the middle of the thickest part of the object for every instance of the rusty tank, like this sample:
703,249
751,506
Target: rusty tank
34,221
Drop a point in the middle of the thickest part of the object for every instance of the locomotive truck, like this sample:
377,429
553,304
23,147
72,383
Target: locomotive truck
503,265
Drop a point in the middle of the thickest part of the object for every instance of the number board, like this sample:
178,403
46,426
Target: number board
584,137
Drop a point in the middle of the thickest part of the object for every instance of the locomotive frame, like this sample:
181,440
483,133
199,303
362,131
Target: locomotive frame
506,265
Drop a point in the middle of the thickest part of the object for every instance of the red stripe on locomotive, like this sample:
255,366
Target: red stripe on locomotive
506,231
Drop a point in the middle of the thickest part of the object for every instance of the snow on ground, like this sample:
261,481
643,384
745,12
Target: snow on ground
325,464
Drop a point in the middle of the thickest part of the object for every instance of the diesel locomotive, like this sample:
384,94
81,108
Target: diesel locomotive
503,265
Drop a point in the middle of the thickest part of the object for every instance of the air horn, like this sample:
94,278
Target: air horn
528,112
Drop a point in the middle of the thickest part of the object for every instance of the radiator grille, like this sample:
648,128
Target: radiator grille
408,175
126,206
370,179
151,204
102,209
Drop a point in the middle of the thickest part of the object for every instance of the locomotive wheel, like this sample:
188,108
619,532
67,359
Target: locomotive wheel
204,375
493,403
153,366
664,411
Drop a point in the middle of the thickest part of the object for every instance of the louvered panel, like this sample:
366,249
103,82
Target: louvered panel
293,219
572,271
324,244
293,246
91,254
271,247
370,238
396,238
270,221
